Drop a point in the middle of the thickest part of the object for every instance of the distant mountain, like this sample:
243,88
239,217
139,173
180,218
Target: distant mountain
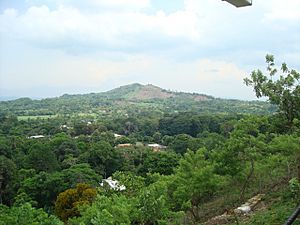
141,92
7,98
134,97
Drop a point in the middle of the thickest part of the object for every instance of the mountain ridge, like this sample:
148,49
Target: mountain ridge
137,91
133,97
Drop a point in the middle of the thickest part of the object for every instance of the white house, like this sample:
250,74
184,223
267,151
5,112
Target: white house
36,136
113,184
157,147
118,135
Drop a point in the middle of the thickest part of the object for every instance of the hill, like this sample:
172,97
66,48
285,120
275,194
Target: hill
139,92
132,97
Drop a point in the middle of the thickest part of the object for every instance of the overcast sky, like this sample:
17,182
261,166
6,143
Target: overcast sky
52,47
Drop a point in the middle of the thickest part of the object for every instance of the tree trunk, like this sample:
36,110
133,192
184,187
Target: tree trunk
247,180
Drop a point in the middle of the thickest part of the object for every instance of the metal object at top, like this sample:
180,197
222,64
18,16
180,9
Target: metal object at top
239,3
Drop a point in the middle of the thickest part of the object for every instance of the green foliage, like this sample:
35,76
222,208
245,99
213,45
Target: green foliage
245,144
284,144
279,208
153,206
5,150
233,156
102,158
163,162
195,181
278,214
44,187
42,158
8,175
26,215
63,146
294,185
80,173
113,210
133,183
282,90
181,143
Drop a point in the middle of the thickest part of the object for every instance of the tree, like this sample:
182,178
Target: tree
194,182
7,176
242,150
102,158
153,206
282,90
5,150
114,210
63,145
44,187
181,143
42,158
68,202
133,183
159,162
26,214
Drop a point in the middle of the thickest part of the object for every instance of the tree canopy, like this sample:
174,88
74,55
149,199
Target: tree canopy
281,89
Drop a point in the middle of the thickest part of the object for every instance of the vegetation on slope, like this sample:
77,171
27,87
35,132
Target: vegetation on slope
209,163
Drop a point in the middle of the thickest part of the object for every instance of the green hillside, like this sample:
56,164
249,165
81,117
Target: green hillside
132,97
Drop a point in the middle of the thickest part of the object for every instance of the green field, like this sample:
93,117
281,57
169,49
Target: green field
36,117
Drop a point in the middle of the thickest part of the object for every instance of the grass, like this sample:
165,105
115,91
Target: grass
44,117
279,206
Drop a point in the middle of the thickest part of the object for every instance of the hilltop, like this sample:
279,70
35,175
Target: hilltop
141,92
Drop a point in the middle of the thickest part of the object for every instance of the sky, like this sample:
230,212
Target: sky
52,47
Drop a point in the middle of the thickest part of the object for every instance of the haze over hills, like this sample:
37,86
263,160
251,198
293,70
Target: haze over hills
133,96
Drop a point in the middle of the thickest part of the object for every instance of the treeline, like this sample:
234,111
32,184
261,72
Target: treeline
130,100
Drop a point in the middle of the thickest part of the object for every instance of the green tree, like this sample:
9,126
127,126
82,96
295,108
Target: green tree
113,210
282,90
42,158
26,215
63,145
5,150
153,206
194,182
181,143
8,173
44,187
162,162
102,158
133,183
242,151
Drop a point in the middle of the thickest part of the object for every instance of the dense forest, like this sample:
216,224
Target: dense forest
142,155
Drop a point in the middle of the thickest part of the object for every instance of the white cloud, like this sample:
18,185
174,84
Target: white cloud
288,10
65,26
120,5
203,24
115,42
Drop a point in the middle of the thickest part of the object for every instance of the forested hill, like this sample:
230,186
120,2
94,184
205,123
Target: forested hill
132,97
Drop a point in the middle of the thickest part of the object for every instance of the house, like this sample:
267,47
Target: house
124,145
36,136
118,135
63,127
112,184
157,147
